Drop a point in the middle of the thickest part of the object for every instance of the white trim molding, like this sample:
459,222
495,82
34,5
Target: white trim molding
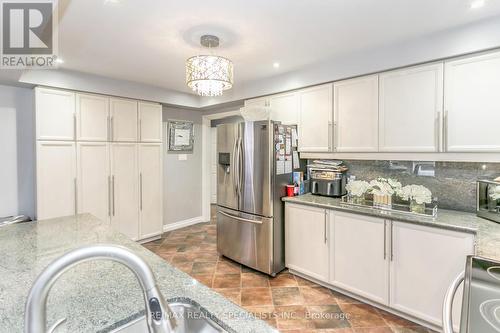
184,223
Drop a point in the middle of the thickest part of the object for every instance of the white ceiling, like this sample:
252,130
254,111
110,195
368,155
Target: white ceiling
148,41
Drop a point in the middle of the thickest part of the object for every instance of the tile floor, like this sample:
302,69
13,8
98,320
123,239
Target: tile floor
286,302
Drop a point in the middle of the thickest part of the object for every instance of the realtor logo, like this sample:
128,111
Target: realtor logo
29,34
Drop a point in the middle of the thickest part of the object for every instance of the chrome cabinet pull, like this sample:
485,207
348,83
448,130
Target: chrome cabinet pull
330,136
445,131
239,218
109,196
385,239
140,190
392,240
74,126
324,227
437,131
76,195
111,126
113,188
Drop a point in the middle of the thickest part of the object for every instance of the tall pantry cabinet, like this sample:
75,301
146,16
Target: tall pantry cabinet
100,155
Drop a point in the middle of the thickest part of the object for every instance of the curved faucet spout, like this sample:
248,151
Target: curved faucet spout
158,314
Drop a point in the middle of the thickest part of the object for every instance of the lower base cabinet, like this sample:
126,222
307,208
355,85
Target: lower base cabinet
306,242
358,255
403,266
425,260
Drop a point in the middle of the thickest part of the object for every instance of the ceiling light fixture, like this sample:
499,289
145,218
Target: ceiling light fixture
477,4
276,65
209,75
59,61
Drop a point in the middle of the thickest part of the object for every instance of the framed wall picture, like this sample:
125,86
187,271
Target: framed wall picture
180,135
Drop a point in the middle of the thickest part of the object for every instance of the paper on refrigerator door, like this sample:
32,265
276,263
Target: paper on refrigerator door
296,161
288,166
280,167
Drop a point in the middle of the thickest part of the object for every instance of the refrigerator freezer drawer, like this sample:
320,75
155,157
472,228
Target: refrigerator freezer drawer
246,238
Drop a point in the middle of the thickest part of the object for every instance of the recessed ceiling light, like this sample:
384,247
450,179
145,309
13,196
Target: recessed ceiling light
59,61
477,4
111,2
276,65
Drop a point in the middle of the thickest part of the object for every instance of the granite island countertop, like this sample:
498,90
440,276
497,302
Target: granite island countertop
487,232
100,295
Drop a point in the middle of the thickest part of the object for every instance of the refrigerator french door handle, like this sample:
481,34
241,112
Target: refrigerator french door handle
235,148
239,218
448,303
240,167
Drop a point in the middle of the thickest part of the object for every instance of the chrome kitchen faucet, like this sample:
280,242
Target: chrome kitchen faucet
159,316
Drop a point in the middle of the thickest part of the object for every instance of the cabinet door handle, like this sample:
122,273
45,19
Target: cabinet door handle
108,134
438,131
385,239
140,129
330,136
392,240
111,125
109,196
445,131
76,195
140,191
113,188
324,227
74,127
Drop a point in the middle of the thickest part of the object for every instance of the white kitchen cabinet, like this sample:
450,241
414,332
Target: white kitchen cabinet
55,179
123,113
425,261
306,240
93,179
150,122
356,114
261,101
125,189
55,114
285,108
359,258
411,104
472,104
150,190
316,119
92,117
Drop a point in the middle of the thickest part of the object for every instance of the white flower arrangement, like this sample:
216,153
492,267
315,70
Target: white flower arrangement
357,187
495,194
419,193
383,186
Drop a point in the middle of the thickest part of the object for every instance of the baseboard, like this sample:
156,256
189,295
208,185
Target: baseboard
183,223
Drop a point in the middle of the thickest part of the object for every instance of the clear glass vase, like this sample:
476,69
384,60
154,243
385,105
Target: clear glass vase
358,199
416,207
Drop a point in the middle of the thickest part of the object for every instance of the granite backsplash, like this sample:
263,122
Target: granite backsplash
452,183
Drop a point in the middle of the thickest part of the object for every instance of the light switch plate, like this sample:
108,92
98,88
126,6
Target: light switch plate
183,157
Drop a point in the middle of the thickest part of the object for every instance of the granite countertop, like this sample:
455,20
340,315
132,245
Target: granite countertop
487,232
99,295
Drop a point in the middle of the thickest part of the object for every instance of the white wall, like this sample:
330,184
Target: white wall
182,195
17,151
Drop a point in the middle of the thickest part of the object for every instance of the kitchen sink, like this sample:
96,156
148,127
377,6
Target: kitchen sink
191,318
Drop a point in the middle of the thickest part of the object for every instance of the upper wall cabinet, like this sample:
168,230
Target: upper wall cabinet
92,117
411,102
356,114
150,122
55,114
316,119
472,104
123,120
285,108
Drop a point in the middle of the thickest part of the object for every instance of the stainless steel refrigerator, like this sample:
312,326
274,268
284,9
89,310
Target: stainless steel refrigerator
255,163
